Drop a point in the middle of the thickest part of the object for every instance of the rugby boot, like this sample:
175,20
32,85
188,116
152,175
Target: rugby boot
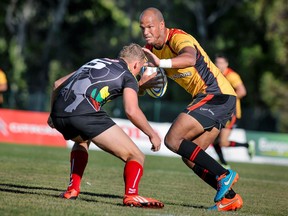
226,204
140,201
224,183
70,194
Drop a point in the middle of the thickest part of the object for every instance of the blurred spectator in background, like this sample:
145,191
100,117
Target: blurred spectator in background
222,140
3,86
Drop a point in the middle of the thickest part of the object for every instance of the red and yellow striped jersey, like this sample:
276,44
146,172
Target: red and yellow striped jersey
235,81
204,77
3,79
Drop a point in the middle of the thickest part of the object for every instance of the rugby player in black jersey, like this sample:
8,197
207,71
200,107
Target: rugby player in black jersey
77,113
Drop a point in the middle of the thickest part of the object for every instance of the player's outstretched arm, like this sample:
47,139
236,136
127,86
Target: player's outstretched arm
240,91
137,117
186,58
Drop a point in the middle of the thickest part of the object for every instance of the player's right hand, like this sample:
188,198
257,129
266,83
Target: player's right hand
156,142
147,80
153,60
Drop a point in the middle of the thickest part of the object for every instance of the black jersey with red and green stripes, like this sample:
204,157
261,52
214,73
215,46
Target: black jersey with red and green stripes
92,85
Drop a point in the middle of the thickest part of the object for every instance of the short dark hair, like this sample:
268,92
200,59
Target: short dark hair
221,55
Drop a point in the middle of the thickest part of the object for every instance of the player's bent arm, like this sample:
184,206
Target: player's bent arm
150,81
137,117
3,87
240,91
186,58
147,80
134,113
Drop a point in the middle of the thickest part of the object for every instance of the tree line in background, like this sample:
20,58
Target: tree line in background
43,40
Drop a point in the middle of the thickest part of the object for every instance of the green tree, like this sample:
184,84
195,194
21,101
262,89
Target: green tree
43,40
46,39
274,83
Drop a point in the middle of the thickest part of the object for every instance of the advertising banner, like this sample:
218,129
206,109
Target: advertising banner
270,144
31,128
142,141
26,127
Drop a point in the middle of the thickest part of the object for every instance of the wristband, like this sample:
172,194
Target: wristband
165,63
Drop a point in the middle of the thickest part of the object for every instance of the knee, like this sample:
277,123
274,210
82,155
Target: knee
142,157
138,156
171,143
82,146
224,143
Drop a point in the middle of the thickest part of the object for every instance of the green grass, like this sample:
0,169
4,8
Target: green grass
31,178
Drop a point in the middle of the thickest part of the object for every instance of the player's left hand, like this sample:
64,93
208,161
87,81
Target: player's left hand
146,78
153,60
147,81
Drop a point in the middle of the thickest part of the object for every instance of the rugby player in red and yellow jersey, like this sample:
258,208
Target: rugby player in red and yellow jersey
3,86
212,106
235,80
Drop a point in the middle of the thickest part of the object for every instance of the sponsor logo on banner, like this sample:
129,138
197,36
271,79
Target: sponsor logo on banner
270,144
3,128
273,147
26,127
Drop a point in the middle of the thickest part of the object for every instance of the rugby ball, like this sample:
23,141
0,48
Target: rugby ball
162,82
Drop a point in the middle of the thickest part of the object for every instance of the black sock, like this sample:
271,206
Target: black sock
219,152
231,194
205,175
236,144
194,153
210,179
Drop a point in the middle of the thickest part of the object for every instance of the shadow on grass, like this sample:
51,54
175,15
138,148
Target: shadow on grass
187,205
182,205
24,189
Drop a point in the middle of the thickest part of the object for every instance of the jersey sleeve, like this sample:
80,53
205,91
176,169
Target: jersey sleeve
131,82
3,79
179,41
234,79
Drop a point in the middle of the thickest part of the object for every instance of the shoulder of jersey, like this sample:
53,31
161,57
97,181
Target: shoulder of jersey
159,91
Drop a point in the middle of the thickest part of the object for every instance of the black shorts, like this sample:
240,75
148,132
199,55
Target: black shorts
212,110
86,126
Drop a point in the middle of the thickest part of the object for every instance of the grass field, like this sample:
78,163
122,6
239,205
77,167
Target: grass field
31,178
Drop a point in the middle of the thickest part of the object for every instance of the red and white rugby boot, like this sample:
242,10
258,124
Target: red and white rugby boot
140,201
70,194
